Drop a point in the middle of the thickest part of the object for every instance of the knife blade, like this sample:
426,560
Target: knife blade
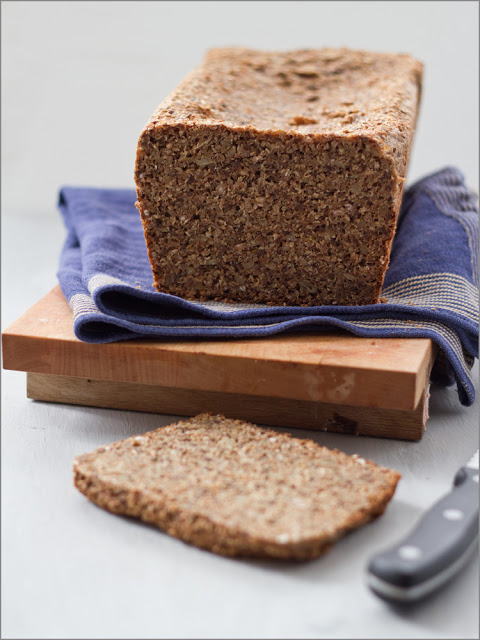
436,549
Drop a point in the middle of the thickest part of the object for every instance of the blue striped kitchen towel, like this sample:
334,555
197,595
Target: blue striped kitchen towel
431,286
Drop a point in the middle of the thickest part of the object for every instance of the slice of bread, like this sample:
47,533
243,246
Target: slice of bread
235,488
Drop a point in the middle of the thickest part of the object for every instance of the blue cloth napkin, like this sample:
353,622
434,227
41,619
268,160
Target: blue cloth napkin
431,286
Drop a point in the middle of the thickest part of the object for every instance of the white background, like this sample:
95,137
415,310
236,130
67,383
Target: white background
79,80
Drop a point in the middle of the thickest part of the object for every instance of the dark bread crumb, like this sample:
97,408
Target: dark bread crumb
276,177
235,488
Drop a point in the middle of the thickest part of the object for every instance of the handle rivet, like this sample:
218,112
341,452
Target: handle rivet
452,514
409,552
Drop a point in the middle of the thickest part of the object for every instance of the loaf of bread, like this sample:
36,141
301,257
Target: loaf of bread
276,178
235,488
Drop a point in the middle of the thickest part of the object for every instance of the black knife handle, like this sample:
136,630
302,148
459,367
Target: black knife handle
433,551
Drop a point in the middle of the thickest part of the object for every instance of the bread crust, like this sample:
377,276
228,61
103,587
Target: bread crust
277,177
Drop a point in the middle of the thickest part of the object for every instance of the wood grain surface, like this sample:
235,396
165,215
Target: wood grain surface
283,412
329,368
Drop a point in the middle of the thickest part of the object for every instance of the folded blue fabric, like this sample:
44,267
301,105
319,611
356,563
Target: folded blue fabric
431,286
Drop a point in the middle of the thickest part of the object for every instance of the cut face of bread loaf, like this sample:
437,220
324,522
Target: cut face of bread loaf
276,177
235,488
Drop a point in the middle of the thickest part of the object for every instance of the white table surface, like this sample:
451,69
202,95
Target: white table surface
72,570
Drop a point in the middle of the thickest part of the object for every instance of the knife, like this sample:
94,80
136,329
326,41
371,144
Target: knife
437,547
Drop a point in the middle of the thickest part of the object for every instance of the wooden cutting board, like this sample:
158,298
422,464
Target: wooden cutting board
335,381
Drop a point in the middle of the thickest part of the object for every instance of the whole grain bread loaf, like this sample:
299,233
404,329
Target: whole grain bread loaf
276,177
235,488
